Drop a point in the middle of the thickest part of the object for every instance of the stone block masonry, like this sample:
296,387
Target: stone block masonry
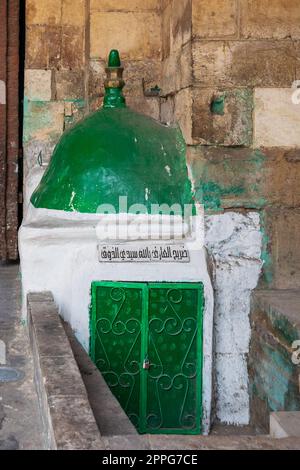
67,43
38,85
276,118
215,19
279,20
239,119
226,116
255,63
138,45
242,130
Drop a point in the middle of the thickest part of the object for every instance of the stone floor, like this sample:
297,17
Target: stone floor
20,426
118,434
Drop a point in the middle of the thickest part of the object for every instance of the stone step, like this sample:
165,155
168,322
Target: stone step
68,420
274,365
285,424
111,419
169,442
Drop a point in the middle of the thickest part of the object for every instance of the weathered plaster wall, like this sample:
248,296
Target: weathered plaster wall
54,243
233,241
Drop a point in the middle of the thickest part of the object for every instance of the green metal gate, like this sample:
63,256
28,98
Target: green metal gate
146,339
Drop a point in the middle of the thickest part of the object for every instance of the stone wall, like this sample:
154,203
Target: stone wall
245,127
225,69
67,45
176,78
228,76
228,73
244,155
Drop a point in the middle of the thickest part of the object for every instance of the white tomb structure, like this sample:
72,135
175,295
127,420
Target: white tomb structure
72,237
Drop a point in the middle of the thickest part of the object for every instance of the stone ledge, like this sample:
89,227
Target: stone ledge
68,420
163,442
285,424
274,375
280,304
39,297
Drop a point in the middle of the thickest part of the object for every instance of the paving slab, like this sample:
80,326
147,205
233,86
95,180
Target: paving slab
20,422
130,442
163,442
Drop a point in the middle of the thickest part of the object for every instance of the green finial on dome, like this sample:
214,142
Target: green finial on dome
114,82
114,58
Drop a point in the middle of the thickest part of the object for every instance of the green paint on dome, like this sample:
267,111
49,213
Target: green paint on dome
115,152
112,153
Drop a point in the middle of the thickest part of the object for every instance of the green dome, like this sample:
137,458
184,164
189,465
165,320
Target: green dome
115,152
